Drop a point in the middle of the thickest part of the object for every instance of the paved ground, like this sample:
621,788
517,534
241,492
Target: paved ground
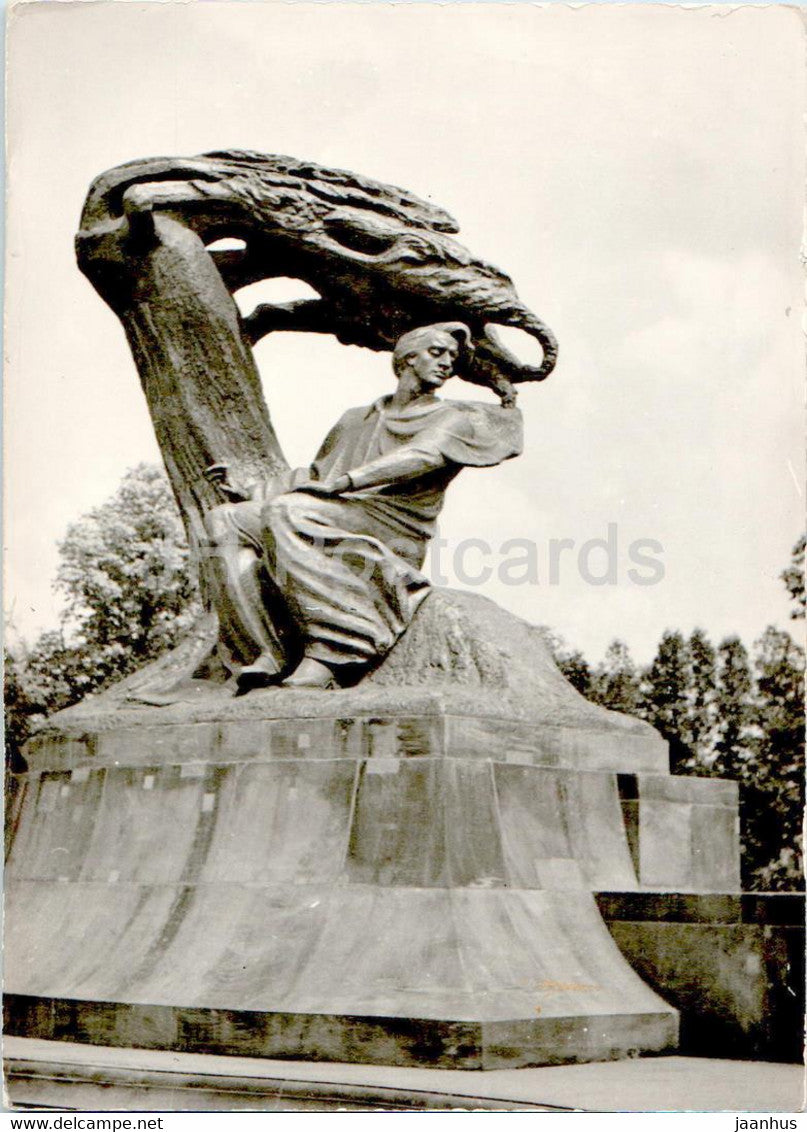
87,1078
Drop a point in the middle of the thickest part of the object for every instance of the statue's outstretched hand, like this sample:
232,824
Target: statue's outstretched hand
326,487
218,474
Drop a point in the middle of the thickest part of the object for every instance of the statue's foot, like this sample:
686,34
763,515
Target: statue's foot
310,673
260,674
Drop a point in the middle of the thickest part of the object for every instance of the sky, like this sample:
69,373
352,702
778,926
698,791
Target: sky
637,170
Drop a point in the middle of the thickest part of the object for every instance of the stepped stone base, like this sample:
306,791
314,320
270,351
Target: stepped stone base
397,910
401,872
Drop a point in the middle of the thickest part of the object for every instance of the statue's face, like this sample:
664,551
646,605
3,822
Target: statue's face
433,362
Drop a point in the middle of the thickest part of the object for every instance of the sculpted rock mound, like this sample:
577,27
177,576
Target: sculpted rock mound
463,657
463,644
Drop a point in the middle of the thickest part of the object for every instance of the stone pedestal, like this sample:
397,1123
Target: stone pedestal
318,888
400,873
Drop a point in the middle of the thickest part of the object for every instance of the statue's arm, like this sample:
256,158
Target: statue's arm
396,467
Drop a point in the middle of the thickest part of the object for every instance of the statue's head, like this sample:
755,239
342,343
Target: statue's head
431,352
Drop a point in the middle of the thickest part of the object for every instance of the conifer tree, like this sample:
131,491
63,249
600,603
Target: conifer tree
733,708
700,696
773,789
663,700
616,684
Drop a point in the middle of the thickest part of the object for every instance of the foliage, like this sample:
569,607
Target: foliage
758,740
663,700
793,577
725,717
577,670
129,595
734,707
20,710
701,700
571,662
772,782
124,573
616,681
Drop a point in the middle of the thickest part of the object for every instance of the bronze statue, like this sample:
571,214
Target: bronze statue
324,564
237,876
383,263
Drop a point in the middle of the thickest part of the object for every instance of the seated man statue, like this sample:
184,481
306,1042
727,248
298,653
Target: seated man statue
324,567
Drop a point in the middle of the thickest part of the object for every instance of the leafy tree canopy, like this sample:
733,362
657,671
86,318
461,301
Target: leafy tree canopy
129,594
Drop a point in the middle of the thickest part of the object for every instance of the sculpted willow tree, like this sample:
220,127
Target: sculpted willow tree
383,263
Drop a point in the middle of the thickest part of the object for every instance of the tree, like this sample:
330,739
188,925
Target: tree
20,710
663,697
577,671
793,577
571,662
125,575
700,699
734,709
124,572
616,683
773,787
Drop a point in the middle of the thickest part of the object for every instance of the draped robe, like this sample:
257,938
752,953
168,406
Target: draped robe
339,578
